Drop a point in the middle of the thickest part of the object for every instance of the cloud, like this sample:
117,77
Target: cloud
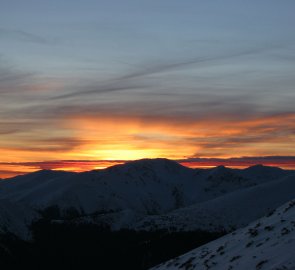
88,90
172,107
287,162
211,125
12,79
136,79
144,109
23,36
52,145
254,134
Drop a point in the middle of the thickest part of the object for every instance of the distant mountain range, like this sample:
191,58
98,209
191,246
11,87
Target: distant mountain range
148,194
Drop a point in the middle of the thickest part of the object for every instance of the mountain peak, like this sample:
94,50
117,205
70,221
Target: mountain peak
258,166
261,167
219,170
150,163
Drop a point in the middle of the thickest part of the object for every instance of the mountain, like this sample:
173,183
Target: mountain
268,243
145,186
232,210
260,173
16,187
141,193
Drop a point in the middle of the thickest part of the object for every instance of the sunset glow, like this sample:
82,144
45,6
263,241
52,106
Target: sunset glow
125,138
94,87
129,138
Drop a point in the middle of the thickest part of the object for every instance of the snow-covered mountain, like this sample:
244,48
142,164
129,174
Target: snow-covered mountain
260,173
232,210
154,193
268,243
145,186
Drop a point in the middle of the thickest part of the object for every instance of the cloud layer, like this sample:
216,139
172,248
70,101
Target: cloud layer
98,81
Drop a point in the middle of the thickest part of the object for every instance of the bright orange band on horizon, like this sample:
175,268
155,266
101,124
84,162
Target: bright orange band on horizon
14,169
128,138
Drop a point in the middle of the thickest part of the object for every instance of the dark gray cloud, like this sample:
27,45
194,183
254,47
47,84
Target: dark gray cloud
173,108
245,158
189,108
53,144
12,79
166,67
88,90
280,161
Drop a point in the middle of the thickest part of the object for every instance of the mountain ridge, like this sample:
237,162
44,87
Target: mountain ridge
132,192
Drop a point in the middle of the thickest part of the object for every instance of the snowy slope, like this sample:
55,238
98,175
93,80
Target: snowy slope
146,186
143,192
260,173
227,212
16,186
268,243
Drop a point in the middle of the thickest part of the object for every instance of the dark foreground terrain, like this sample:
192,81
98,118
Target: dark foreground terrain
71,246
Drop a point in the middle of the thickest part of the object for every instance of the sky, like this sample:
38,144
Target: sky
88,83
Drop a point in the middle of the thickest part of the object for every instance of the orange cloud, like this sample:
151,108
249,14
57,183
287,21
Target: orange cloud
127,137
132,138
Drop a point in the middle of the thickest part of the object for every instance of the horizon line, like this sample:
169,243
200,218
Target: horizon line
11,169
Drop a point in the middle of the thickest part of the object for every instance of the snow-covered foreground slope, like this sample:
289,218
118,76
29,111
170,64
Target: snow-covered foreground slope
268,243
233,210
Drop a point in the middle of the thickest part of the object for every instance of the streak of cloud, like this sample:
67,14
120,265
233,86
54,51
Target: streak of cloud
24,36
126,82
